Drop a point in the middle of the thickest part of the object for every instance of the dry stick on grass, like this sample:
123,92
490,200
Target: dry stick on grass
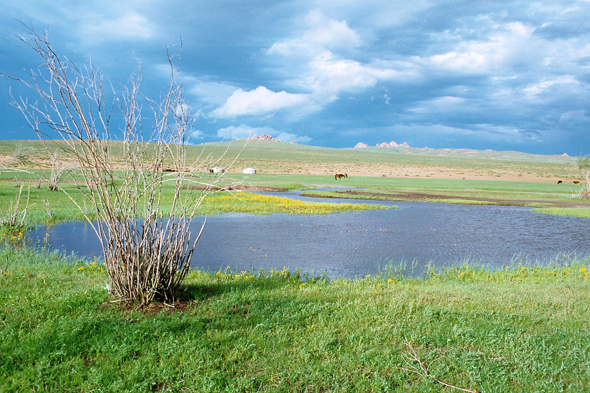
412,357
15,216
146,242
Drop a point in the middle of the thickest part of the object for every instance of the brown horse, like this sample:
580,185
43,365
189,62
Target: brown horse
576,182
340,176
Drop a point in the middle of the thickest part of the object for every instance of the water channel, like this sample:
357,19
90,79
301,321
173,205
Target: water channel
356,244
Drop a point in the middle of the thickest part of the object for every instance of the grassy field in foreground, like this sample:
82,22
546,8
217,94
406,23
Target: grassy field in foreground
521,329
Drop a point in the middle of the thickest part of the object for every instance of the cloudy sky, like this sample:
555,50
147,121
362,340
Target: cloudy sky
502,75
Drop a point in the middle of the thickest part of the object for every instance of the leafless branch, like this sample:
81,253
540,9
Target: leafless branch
145,240
411,358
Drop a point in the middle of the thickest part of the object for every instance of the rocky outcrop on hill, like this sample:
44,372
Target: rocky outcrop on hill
264,137
384,144
393,144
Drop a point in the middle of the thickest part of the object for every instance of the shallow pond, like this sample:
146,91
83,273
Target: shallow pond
356,244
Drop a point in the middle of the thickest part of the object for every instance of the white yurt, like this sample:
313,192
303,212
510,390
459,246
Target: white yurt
250,171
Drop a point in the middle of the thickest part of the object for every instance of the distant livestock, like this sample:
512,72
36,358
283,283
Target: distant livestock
559,182
576,182
249,171
339,176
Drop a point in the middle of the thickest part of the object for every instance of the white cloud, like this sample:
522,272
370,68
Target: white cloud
130,26
288,137
324,73
214,93
539,88
321,32
510,42
329,76
244,131
572,117
258,101
196,134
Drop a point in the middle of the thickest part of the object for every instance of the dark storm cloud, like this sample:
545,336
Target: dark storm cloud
480,74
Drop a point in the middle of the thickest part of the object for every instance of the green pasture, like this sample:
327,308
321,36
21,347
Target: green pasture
552,198
517,329
44,206
559,197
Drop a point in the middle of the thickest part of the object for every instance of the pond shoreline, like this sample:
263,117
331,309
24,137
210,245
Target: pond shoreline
353,244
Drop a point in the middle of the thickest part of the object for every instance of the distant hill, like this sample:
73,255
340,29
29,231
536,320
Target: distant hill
276,157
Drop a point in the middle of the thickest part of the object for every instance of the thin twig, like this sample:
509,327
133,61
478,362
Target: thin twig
423,370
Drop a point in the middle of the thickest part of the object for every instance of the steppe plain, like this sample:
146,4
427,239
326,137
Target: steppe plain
520,328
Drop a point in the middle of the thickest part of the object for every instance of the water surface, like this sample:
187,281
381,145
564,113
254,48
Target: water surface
360,243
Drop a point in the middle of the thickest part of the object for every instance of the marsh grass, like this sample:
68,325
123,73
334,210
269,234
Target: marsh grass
508,330
49,207
266,204
565,212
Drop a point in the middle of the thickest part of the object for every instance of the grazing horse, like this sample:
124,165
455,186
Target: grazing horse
340,176
576,182
559,182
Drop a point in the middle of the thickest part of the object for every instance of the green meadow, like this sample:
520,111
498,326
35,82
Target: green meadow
442,175
517,329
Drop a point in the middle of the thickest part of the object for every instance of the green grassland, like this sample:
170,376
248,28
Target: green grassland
505,178
49,207
520,328
514,330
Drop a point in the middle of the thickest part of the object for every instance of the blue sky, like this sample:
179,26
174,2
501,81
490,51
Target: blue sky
501,75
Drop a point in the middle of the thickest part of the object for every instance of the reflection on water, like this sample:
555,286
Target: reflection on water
356,244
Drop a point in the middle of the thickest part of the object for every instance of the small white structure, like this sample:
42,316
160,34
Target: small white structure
218,169
250,171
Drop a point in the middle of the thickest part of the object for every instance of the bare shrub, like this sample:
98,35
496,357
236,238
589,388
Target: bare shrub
15,216
145,238
57,171
583,164
22,154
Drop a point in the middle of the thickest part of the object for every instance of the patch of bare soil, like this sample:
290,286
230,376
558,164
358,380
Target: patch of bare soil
421,196
245,187
151,309
241,187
